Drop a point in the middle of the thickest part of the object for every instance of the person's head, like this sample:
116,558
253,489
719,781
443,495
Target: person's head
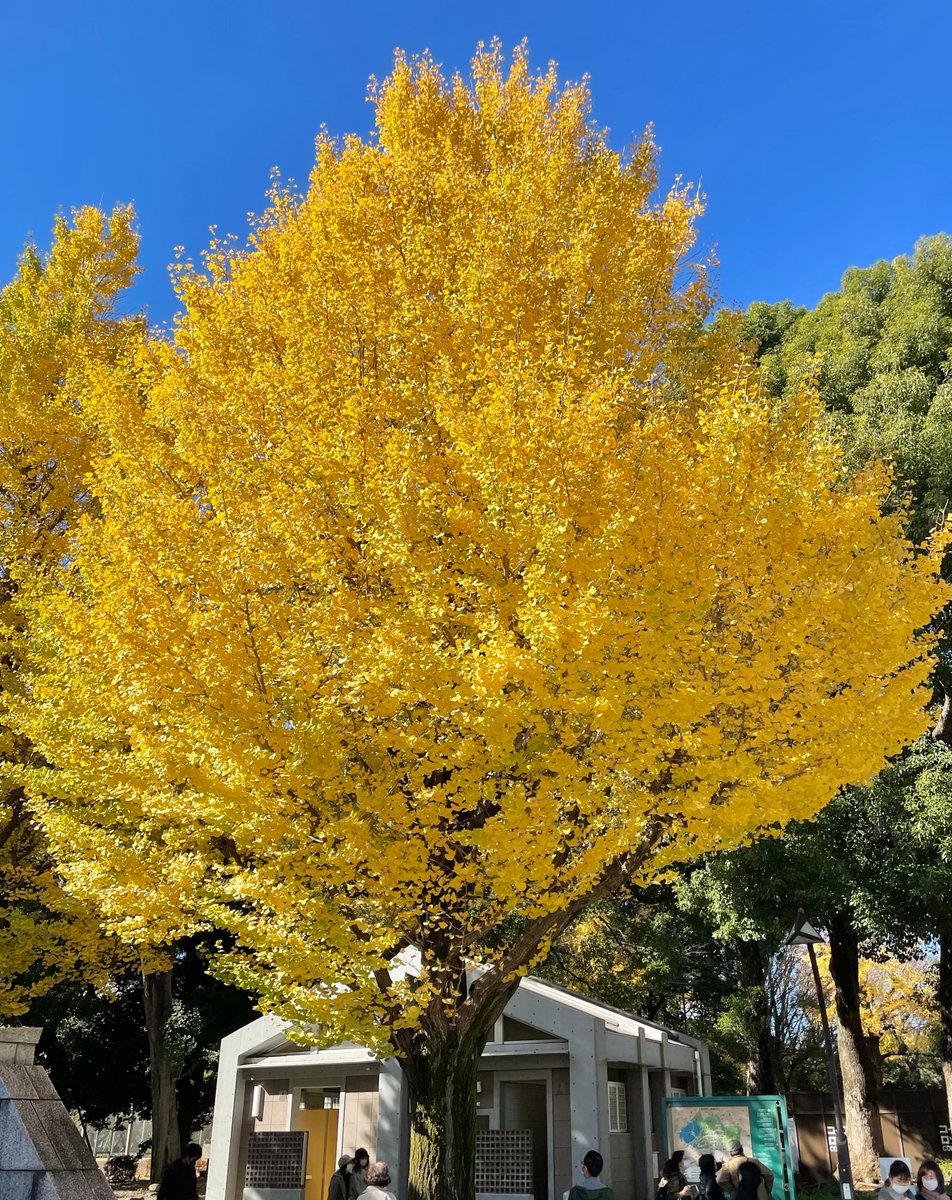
900,1177
592,1164
749,1175
736,1147
672,1165
706,1164
344,1162
378,1175
193,1152
929,1177
361,1159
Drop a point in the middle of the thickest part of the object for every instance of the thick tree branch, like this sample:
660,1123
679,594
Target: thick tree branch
493,988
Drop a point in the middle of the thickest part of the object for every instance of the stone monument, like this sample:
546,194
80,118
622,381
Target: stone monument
42,1154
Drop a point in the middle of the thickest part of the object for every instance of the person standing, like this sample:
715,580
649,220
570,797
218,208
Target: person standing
340,1181
729,1174
377,1182
930,1182
707,1185
180,1181
899,1184
358,1170
673,1181
750,1184
591,1187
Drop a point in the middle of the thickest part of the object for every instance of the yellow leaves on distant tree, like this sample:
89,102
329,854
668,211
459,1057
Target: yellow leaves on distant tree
898,1003
435,592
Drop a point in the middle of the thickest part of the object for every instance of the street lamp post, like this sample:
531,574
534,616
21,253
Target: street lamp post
803,934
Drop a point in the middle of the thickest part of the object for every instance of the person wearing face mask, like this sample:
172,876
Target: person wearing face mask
899,1184
358,1182
930,1182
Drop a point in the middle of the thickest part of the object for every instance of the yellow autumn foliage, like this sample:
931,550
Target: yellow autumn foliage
423,606
897,1002
57,322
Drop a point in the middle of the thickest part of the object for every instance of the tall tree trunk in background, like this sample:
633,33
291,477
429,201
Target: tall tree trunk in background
762,1075
944,1000
857,1067
942,730
166,1145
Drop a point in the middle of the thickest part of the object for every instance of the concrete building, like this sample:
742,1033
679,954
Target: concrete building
561,1075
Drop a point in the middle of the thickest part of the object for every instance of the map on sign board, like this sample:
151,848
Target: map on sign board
708,1124
707,1129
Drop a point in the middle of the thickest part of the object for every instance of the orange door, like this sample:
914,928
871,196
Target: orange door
321,1162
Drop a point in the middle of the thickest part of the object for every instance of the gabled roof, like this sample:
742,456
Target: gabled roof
270,1039
614,1018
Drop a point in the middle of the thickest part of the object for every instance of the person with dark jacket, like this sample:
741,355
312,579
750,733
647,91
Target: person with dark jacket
340,1180
358,1169
729,1175
180,1182
707,1185
673,1181
750,1181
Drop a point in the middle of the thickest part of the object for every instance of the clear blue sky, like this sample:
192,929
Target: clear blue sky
819,129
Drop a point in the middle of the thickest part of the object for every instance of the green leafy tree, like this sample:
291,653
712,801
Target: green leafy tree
643,952
751,895
86,1028
880,352
910,901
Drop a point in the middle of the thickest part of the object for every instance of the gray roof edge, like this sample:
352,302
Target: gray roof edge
673,1034
272,1031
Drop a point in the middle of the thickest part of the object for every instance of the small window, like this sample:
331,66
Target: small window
617,1108
320,1098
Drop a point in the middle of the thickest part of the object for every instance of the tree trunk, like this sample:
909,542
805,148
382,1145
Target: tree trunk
442,1093
761,1058
857,1067
942,730
944,1000
440,1056
157,996
440,1062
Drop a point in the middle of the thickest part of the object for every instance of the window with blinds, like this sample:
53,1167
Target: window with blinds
617,1108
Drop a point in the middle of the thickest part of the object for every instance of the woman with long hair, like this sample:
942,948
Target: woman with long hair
673,1182
930,1182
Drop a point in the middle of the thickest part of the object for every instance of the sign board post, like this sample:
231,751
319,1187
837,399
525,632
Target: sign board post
708,1124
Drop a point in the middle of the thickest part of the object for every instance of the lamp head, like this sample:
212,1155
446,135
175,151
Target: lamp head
803,933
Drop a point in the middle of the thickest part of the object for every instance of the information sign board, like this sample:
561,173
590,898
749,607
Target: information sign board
708,1124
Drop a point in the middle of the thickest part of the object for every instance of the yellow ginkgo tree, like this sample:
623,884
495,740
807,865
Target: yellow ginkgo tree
58,320
432,592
